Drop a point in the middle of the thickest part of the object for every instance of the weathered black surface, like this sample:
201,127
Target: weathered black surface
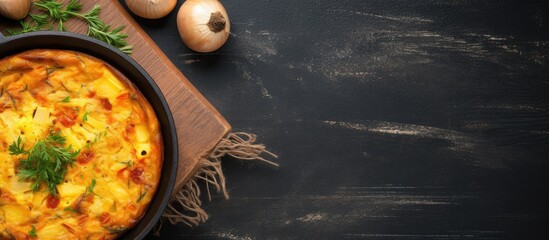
393,119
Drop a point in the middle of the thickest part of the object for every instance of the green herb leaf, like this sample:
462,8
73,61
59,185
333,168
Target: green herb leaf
89,189
92,185
141,197
128,163
85,117
17,148
70,209
47,161
66,99
32,232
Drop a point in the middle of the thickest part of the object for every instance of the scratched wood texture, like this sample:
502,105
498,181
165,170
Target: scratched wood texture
199,125
393,119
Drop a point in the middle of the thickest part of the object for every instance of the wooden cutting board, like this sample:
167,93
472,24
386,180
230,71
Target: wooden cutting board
199,125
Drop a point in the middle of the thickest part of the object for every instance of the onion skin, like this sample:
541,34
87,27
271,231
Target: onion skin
198,32
14,9
151,9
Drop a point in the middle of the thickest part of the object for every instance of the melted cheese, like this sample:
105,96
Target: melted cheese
99,113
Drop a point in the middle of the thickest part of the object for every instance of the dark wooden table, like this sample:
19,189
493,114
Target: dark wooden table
424,119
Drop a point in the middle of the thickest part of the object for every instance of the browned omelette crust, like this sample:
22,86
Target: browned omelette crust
100,113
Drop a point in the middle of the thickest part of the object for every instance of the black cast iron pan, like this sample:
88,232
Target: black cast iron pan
141,79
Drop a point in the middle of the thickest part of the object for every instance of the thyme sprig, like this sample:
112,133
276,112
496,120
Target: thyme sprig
54,14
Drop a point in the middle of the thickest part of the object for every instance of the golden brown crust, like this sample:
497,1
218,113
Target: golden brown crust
101,114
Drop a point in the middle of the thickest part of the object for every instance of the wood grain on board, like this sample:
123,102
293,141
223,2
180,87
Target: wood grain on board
199,125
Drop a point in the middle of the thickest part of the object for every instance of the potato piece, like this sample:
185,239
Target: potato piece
83,133
54,230
42,115
122,115
16,214
108,85
38,199
77,102
118,191
72,139
9,118
69,191
95,123
101,205
17,186
72,85
141,133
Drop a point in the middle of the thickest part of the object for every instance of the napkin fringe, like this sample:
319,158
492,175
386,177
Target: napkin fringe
186,206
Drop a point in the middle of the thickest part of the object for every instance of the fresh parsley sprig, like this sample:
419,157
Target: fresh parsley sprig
53,14
46,162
